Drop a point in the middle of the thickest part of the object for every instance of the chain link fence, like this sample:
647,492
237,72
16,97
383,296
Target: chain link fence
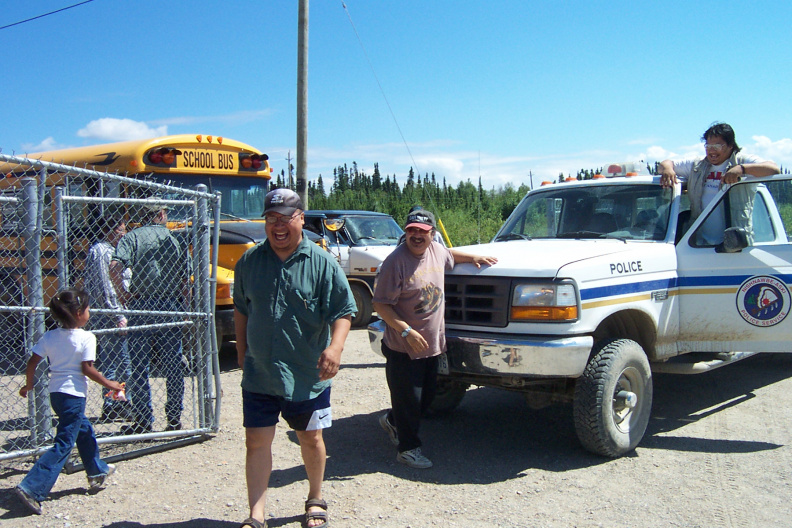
57,225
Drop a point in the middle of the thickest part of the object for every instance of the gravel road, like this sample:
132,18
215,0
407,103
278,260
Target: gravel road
716,454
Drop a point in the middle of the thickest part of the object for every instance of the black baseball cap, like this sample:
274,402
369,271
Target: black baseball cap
282,201
421,219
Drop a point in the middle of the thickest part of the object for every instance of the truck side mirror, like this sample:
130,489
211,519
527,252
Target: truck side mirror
333,224
735,239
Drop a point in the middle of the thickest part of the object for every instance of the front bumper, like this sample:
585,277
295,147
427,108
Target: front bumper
545,357
495,355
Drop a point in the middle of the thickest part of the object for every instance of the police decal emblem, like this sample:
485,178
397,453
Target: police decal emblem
763,300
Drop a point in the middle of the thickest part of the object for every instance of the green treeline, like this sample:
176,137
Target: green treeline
469,213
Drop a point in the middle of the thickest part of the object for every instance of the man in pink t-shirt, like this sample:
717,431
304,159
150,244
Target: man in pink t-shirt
409,297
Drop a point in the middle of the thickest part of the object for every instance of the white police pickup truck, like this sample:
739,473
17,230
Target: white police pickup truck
601,282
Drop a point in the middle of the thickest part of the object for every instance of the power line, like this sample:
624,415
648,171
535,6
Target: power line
382,91
45,14
390,109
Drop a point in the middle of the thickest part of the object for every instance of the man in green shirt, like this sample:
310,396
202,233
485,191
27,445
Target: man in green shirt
292,312
160,267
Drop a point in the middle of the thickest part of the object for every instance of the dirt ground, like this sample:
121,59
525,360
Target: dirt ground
717,454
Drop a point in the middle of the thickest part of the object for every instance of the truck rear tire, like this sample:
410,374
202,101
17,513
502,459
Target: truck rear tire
613,398
448,396
363,303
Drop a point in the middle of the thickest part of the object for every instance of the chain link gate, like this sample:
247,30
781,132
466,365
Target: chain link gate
168,350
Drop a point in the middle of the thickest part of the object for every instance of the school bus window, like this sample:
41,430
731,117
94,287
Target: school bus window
242,196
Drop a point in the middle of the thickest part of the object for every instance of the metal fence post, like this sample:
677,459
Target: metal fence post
60,230
204,337
39,406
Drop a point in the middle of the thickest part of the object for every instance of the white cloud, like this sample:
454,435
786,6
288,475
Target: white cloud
112,129
48,144
779,151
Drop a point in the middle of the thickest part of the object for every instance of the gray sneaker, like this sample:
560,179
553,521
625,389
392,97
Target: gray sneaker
414,458
99,480
390,429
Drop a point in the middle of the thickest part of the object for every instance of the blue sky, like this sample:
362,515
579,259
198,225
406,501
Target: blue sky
498,89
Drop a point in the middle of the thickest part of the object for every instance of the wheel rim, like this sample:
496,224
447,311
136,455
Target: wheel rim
627,397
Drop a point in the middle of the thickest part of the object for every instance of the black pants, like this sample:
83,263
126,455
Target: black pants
412,384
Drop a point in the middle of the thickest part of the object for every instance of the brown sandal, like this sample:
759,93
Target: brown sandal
316,516
253,523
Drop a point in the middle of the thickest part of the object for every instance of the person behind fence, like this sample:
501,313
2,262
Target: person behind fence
409,296
160,283
292,313
113,354
705,177
71,352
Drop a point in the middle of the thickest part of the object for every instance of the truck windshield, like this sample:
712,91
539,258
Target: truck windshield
372,231
626,212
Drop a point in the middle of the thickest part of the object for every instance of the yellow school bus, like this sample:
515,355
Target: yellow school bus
238,171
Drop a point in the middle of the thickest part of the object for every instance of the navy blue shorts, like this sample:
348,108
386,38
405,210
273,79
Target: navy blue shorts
262,410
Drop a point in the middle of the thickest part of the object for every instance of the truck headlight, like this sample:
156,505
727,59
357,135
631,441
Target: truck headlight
544,302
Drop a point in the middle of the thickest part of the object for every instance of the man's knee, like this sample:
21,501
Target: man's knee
311,439
259,437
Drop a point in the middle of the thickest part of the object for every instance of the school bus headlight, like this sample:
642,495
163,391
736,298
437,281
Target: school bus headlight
544,302
225,290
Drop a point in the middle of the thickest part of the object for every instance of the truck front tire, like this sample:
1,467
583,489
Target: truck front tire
613,398
363,303
448,396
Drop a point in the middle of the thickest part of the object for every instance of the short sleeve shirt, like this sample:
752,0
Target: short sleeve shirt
66,349
290,306
414,286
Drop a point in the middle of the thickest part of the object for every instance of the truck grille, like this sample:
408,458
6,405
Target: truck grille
477,300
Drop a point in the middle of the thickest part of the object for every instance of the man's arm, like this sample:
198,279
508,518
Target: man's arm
763,168
415,340
460,257
240,328
667,173
330,360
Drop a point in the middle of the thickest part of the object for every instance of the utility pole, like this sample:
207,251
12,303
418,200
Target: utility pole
302,101
290,169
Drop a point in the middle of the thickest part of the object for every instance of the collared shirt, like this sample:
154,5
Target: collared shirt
160,266
290,306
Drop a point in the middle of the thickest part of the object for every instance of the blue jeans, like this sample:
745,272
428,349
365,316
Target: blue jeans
113,357
73,428
168,345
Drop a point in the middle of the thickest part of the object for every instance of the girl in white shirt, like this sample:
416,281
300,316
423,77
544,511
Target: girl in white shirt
71,352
